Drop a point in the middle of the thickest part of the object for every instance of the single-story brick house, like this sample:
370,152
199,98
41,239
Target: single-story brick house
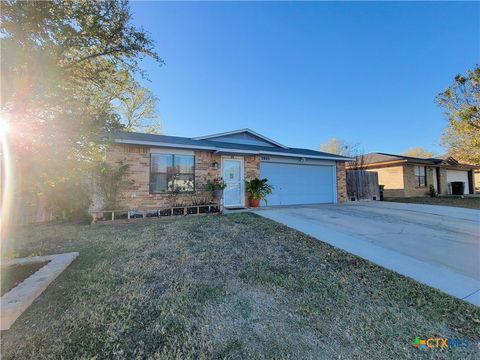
406,176
476,177
158,163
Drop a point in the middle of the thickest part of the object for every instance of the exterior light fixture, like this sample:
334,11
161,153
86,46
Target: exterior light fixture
302,159
215,165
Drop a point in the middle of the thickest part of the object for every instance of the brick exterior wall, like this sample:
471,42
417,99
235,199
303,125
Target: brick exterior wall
476,181
341,182
399,181
411,186
137,196
252,166
443,182
392,179
251,170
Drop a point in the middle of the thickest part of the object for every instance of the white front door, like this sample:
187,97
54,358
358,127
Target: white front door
232,174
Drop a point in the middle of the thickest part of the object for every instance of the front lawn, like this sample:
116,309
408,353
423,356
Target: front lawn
457,201
234,286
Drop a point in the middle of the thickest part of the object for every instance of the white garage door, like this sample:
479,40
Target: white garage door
458,175
299,184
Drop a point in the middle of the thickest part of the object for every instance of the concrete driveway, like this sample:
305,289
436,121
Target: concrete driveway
436,245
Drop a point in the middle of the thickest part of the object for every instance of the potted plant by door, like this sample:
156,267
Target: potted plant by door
257,190
216,187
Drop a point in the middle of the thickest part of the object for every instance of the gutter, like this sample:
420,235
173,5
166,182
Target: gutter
161,144
401,162
307,156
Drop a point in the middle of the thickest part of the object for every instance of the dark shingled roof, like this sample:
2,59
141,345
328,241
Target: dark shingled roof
379,158
373,158
177,141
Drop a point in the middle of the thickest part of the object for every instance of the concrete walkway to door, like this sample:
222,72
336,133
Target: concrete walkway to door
436,245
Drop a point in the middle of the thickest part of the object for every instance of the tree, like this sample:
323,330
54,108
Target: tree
461,104
137,109
109,179
339,147
418,152
60,59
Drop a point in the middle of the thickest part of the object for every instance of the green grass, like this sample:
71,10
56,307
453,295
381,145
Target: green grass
234,286
457,201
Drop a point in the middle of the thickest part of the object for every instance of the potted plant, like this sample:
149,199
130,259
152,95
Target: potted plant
216,187
257,189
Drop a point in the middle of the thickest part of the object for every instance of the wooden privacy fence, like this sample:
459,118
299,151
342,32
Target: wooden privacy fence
362,185
35,211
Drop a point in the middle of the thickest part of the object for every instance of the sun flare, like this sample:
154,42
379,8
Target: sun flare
6,173
4,128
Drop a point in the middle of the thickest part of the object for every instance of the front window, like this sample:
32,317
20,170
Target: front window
170,172
420,178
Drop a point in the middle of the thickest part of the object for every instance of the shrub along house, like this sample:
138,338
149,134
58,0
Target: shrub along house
406,176
170,170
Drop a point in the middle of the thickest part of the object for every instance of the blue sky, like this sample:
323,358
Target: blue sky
302,73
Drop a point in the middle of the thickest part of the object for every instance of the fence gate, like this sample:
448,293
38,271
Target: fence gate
362,185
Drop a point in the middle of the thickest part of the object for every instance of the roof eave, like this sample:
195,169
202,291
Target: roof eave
405,161
225,150
164,144
273,153
382,163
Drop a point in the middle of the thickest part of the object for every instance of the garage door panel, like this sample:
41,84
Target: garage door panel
298,184
458,175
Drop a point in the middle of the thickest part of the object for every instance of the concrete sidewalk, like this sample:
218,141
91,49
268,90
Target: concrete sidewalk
435,245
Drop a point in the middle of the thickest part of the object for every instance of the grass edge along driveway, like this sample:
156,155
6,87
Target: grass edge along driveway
233,286
469,202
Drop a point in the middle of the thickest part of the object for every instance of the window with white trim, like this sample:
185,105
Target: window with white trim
172,173
420,176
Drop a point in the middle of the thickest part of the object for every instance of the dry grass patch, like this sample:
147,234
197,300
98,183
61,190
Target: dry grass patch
235,286
456,201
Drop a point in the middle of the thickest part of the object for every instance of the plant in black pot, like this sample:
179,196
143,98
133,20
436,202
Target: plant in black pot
216,186
257,190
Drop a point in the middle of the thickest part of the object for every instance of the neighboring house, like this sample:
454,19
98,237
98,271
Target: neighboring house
405,176
477,180
168,169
